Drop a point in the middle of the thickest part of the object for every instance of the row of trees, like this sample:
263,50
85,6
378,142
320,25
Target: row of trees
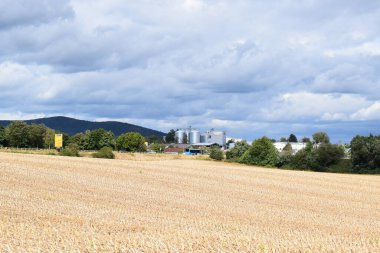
318,137
318,155
20,135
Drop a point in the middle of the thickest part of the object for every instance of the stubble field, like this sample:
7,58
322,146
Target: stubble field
62,204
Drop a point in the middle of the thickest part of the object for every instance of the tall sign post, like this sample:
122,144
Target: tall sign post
58,141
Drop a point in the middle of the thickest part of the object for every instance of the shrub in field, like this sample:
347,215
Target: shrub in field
105,152
216,154
71,150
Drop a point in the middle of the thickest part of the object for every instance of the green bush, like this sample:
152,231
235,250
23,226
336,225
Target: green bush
105,152
262,153
327,155
318,158
131,142
158,147
343,166
216,154
236,152
285,156
71,150
365,153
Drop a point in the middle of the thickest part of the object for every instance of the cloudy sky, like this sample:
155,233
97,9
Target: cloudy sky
251,67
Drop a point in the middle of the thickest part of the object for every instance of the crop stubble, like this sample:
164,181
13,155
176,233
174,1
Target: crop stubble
147,204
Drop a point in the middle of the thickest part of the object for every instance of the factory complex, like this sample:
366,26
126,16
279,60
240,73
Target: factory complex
195,137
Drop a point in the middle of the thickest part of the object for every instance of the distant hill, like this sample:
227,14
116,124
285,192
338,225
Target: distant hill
72,126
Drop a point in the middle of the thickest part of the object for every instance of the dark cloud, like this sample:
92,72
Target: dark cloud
35,12
250,67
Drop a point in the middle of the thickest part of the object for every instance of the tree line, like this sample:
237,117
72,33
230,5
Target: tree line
18,134
361,156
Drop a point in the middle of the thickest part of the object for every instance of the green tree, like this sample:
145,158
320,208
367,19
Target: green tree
317,158
3,137
99,138
305,139
303,159
131,142
292,138
365,153
170,137
107,140
49,138
78,139
94,138
17,134
154,139
238,151
37,135
65,138
262,153
216,154
285,155
283,139
158,147
327,154
321,137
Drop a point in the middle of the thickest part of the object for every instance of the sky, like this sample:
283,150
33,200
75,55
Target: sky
249,67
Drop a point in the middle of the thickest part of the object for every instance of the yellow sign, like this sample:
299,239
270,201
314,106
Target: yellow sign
58,140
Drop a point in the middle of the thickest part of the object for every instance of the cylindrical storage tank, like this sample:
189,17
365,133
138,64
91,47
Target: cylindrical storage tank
179,136
203,138
195,137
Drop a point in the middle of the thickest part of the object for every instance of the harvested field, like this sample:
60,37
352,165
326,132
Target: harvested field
63,204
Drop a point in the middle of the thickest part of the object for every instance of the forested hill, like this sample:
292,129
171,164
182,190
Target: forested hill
72,126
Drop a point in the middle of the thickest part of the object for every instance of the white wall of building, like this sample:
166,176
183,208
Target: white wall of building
195,136
296,146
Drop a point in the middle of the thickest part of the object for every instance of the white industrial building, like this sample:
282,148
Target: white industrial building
197,138
296,146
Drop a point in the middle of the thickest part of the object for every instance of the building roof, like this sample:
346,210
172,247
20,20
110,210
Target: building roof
174,150
204,144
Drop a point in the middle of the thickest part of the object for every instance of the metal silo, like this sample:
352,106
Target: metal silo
203,138
187,132
195,137
179,136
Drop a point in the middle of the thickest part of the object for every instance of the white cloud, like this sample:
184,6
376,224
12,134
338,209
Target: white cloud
20,116
194,5
370,113
312,106
233,64
366,49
